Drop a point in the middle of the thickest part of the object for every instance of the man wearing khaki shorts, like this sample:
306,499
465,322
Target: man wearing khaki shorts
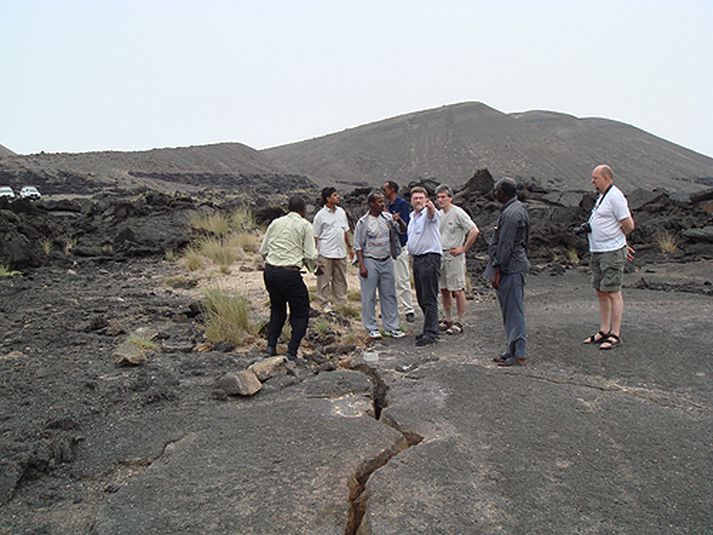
458,233
609,224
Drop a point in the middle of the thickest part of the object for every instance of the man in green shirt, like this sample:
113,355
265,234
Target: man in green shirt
288,245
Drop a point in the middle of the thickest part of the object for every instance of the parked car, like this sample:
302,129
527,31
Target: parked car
6,191
30,192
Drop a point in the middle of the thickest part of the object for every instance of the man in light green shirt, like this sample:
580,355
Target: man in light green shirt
287,247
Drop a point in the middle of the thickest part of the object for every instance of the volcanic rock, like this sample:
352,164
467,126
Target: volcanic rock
242,383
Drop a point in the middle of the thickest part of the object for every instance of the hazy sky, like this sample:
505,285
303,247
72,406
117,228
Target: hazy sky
128,75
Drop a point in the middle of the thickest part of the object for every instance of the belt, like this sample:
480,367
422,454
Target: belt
379,259
290,268
426,254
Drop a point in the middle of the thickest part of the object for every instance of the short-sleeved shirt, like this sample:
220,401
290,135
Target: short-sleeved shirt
605,220
329,228
455,226
371,236
424,235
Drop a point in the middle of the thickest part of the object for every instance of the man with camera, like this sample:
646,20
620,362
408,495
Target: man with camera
608,225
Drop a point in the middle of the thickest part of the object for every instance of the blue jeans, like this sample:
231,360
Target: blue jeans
511,296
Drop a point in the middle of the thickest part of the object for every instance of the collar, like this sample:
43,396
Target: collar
502,209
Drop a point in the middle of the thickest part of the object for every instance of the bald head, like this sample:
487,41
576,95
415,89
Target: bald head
602,177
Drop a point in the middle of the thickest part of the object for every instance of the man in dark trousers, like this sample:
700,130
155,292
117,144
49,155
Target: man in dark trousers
424,245
287,247
397,205
507,266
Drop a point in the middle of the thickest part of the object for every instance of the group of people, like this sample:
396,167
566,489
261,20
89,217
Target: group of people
395,238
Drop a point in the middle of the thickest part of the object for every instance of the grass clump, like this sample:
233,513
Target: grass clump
572,256
354,295
215,223
193,258
69,244
170,255
667,242
46,245
142,343
348,310
245,243
322,326
5,271
228,317
243,220
217,250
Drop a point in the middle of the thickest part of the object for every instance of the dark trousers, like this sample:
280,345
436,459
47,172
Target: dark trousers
426,272
286,287
511,295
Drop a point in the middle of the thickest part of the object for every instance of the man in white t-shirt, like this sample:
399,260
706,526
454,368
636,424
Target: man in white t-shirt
458,233
331,234
610,222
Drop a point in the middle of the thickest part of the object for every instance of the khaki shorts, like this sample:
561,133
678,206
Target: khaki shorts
452,272
608,270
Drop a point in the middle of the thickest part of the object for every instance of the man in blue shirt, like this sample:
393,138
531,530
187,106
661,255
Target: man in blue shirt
424,244
397,205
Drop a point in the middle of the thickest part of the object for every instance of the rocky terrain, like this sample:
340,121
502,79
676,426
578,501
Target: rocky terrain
224,166
117,415
447,143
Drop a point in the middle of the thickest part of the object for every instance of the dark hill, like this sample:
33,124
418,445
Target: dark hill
450,142
4,151
224,166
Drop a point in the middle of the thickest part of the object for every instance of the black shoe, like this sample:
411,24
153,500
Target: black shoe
425,341
410,317
292,356
513,361
271,351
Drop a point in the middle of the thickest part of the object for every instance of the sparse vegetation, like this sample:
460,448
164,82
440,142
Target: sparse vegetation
572,256
193,258
243,220
216,223
170,255
354,295
218,251
46,245
142,343
322,326
69,244
107,248
5,271
178,281
348,310
228,317
667,242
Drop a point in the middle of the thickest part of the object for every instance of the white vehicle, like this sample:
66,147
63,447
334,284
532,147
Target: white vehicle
30,192
6,191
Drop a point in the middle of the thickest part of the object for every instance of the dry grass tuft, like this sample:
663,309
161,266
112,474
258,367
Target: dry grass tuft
217,250
142,343
667,242
572,257
193,258
243,220
216,223
170,255
69,244
354,295
228,317
46,245
348,310
5,271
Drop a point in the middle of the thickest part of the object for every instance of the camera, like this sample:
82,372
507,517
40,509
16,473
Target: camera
583,229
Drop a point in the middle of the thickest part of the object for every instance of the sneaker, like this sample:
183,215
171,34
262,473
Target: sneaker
410,317
396,333
374,335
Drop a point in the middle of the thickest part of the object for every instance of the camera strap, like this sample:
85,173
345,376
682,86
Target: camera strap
601,199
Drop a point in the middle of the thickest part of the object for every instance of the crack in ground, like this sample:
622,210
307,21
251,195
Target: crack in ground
636,392
358,495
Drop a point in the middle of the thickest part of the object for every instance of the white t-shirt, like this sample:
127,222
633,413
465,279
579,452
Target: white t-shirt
329,228
606,220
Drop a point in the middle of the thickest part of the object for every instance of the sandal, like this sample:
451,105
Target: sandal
594,340
612,340
444,325
455,328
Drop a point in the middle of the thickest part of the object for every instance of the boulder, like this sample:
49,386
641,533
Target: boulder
242,383
128,354
704,234
268,368
481,182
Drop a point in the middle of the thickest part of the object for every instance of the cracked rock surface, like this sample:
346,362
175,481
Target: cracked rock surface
420,440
